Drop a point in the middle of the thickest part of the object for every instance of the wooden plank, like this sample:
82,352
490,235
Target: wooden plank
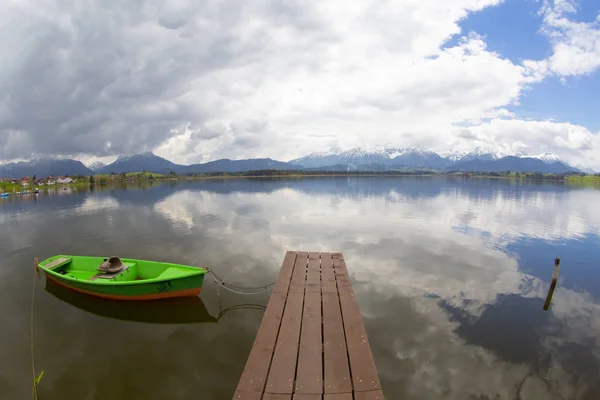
110,275
247,396
336,370
257,367
338,396
327,274
55,263
277,396
283,367
285,274
299,274
313,275
370,395
309,376
362,365
339,265
308,396
254,376
98,275
342,278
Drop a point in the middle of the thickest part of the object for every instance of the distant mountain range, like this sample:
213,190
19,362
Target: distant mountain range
96,166
411,159
146,161
43,168
358,159
513,164
152,163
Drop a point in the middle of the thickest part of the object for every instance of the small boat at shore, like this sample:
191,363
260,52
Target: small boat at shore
124,279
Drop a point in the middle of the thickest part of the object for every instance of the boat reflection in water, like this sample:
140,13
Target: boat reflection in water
181,310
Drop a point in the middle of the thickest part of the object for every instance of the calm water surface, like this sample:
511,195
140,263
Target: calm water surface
450,277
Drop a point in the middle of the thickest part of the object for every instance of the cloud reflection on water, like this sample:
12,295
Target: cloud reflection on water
446,255
450,310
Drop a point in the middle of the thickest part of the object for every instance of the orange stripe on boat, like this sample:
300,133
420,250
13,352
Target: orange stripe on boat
155,296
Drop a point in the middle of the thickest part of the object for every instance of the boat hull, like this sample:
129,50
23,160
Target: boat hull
130,292
182,310
140,280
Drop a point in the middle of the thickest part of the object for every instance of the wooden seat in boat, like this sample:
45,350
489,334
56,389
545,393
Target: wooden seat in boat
110,275
57,263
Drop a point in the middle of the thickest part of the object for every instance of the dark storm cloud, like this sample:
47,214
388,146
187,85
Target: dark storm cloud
111,77
89,87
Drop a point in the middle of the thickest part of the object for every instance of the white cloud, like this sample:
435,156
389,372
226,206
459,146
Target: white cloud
369,89
369,81
200,81
575,45
572,143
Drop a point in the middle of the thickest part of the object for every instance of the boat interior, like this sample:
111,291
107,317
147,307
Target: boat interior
87,268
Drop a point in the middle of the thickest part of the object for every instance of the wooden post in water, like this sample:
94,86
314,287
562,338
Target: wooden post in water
553,284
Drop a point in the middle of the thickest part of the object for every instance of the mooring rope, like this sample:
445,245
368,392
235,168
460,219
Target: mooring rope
35,394
240,307
240,289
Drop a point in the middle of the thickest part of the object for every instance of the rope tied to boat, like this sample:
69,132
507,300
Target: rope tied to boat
36,379
246,290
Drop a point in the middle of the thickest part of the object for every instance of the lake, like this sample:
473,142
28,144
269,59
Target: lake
450,276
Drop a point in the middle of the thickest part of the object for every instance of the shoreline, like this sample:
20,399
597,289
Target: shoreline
141,180
568,179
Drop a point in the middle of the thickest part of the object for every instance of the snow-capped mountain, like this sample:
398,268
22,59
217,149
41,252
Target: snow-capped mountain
43,167
419,157
360,156
385,158
478,153
548,158
95,166
357,156
414,158
334,151
372,155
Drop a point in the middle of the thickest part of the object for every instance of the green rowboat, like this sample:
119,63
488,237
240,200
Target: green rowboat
132,280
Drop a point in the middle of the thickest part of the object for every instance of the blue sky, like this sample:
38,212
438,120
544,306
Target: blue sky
513,29
575,101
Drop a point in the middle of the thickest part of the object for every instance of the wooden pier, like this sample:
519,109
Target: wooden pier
312,342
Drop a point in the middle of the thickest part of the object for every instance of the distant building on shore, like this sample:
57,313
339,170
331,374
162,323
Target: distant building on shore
64,180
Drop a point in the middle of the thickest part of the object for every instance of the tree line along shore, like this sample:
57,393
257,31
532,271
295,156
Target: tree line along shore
132,177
